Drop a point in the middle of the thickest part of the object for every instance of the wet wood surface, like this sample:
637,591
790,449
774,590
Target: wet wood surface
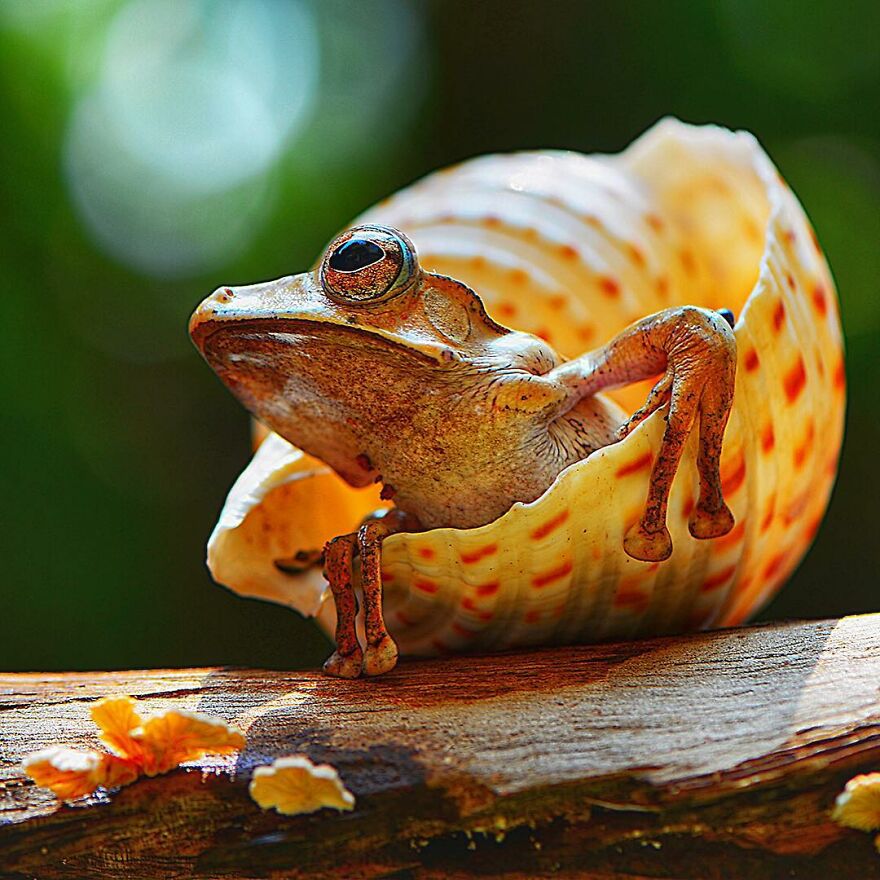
710,756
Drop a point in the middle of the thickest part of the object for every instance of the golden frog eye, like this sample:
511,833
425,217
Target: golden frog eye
367,264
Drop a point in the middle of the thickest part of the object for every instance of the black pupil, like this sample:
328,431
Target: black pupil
356,254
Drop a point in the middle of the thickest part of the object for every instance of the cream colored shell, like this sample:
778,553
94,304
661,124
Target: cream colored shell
573,248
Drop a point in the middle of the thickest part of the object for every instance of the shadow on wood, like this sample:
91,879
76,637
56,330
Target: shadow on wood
707,756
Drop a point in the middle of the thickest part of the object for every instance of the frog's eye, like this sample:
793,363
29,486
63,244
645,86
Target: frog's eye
368,263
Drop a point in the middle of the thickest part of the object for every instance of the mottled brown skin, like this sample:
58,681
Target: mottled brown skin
395,375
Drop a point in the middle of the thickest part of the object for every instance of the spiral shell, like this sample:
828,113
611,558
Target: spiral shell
574,248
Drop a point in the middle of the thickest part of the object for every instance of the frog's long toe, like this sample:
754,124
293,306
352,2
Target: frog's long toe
381,657
710,524
648,546
344,665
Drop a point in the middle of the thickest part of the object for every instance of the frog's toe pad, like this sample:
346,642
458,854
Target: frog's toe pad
344,665
380,657
710,524
648,546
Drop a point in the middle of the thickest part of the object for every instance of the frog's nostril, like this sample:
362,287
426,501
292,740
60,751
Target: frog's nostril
224,294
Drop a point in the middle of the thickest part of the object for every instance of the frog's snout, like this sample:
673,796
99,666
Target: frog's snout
207,311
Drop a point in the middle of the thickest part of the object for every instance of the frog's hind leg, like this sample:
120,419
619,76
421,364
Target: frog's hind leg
346,660
380,652
695,351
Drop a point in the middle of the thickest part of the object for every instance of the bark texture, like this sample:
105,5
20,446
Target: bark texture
710,756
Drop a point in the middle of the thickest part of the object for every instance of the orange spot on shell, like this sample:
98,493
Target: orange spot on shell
488,589
795,380
463,631
555,574
519,276
568,252
688,261
543,333
716,580
386,577
492,221
478,262
662,285
774,565
789,279
799,456
688,507
405,619
550,526
481,553
636,255
796,507
639,464
586,332
778,316
532,616
654,222
557,303
425,586
751,361
636,600
734,475
840,375
609,286
768,438
734,536
820,303
769,513
426,552
505,309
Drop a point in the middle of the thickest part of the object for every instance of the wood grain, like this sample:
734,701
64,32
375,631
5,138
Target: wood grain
715,755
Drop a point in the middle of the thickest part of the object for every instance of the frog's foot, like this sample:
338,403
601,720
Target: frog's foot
381,657
710,524
344,665
648,546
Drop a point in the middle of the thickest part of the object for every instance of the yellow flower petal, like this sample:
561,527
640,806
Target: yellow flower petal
69,773
858,805
117,718
175,736
294,785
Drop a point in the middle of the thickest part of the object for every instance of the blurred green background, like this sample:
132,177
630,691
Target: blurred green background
154,149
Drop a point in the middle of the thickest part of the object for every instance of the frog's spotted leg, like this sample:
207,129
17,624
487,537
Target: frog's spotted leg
380,652
695,350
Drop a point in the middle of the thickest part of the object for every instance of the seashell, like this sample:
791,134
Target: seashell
574,248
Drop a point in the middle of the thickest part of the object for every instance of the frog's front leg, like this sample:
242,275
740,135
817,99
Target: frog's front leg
695,350
380,653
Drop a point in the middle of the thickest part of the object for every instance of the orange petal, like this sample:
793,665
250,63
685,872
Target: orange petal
295,785
69,773
117,718
175,736
858,805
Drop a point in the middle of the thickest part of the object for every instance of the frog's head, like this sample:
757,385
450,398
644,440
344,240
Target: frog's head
338,357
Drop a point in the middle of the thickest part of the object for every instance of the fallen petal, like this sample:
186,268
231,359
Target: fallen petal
176,736
858,805
295,785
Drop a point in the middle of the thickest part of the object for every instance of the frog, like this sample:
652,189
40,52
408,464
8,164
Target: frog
393,374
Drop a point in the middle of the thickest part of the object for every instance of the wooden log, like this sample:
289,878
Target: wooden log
710,756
